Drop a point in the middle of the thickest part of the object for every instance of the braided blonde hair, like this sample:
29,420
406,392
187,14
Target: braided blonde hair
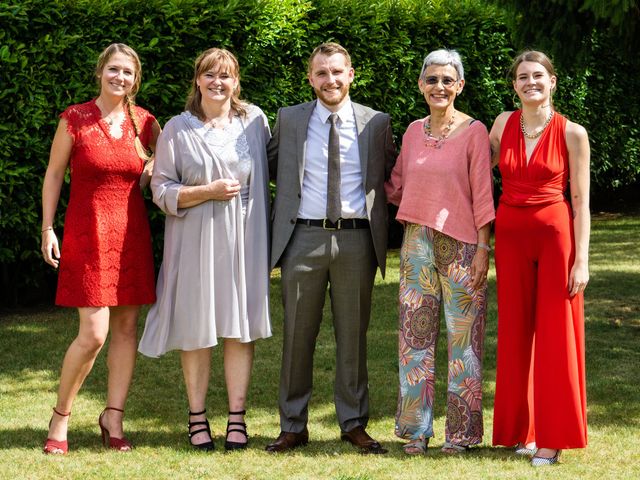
144,153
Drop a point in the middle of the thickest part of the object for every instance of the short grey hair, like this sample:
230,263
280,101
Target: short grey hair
443,57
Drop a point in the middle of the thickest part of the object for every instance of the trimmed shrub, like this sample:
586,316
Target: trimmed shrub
48,50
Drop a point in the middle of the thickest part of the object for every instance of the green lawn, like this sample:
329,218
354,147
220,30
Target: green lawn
32,344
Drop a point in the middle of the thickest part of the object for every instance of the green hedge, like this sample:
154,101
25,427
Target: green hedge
48,50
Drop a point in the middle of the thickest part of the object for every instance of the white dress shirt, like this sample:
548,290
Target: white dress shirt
313,204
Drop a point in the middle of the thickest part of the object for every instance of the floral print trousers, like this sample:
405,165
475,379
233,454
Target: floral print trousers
435,270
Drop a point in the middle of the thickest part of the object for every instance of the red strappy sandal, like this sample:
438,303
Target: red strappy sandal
56,447
120,444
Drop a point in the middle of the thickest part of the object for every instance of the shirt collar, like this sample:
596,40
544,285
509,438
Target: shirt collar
345,114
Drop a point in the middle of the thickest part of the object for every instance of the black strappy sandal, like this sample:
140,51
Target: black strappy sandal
234,428
206,446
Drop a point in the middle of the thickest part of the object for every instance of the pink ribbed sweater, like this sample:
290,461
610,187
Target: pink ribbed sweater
448,189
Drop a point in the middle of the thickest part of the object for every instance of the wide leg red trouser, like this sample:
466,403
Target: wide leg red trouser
540,379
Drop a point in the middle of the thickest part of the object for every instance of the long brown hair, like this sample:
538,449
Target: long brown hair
130,100
536,57
219,60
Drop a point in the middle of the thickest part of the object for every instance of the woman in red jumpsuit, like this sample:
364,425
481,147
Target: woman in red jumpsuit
542,243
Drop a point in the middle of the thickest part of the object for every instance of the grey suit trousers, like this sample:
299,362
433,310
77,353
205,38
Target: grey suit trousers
345,261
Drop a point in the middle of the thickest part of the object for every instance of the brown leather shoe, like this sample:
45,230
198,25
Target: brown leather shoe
358,437
288,441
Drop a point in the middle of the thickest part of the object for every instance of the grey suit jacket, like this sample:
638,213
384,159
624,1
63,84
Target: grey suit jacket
286,153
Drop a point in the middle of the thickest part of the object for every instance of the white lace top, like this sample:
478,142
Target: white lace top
230,143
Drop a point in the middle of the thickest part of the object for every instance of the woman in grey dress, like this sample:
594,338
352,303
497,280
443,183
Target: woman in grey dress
210,178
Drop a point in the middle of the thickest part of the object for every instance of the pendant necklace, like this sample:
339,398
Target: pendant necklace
112,118
219,122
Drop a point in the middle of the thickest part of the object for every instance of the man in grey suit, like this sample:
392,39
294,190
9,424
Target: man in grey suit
329,159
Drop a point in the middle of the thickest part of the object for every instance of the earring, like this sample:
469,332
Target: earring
515,101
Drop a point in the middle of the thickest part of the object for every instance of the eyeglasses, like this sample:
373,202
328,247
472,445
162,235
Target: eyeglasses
446,81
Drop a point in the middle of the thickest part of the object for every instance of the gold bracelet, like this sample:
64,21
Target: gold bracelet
485,246
47,229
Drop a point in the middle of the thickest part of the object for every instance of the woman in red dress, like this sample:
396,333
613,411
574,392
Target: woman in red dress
542,243
106,263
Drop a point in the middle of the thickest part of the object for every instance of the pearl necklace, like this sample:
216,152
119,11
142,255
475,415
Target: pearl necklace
431,140
534,135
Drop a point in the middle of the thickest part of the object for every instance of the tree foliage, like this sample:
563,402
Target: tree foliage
565,27
48,50
594,43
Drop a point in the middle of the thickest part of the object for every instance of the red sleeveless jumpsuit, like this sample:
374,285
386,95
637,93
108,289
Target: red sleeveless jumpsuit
540,380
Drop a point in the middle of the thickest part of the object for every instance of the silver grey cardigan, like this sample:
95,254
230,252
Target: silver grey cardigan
214,278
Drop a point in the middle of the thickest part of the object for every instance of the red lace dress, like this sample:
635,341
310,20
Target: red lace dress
106,257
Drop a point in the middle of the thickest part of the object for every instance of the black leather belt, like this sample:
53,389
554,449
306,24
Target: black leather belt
341,224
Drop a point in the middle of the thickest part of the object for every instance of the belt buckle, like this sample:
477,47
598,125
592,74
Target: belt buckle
338,225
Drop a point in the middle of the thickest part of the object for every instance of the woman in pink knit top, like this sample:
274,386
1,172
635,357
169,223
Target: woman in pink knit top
442,185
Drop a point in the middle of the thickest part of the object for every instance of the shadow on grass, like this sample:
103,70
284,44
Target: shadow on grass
87,440
33,343
612,339
158,395
158,386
